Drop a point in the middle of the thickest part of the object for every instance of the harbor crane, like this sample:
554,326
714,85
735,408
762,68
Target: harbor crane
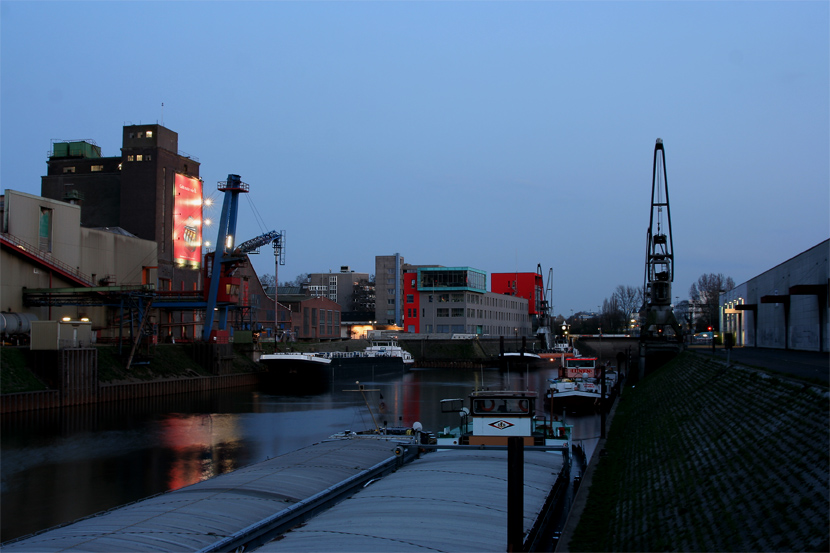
223,287
659,321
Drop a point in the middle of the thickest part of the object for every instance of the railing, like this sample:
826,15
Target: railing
48,259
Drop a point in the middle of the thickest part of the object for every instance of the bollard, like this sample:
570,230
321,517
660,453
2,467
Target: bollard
515,492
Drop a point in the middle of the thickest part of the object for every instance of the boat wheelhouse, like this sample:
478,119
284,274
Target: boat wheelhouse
491,417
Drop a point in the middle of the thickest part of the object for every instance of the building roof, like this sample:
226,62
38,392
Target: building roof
116,230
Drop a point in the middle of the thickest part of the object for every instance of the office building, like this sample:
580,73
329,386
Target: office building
454,300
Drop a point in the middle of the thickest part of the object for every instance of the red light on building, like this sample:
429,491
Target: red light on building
187,221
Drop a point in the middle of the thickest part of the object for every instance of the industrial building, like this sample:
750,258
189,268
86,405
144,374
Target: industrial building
152,191
130,225
44,247
782,308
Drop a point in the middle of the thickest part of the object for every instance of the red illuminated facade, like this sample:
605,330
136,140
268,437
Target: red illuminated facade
412,303
524,285
187,221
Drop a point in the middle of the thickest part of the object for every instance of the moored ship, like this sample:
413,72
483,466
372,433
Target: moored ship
579,386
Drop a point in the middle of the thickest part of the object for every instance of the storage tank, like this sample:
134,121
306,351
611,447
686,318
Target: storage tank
16,323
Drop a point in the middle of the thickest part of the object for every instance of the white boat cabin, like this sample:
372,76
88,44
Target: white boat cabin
494,416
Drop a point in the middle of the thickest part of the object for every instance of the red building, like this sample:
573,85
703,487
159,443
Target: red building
524,285
412,302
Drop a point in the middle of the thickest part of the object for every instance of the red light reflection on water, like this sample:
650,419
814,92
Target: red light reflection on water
202,446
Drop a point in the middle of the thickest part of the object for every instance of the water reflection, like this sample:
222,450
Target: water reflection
62,464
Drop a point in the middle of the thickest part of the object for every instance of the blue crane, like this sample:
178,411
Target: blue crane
226,257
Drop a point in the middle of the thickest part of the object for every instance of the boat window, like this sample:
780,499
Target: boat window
515,406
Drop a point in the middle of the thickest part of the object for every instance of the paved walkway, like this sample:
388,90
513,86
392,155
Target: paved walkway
809,365
730,460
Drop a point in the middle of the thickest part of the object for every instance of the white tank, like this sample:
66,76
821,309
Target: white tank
16,323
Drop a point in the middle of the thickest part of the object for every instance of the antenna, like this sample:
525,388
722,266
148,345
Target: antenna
162,114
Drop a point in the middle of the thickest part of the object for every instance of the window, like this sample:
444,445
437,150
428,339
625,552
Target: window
96,168
45,229
457,312
410,298
130,157
139,157
147,157
149,134
68,170
443,312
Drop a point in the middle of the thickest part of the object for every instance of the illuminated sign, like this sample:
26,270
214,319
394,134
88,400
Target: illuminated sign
187,221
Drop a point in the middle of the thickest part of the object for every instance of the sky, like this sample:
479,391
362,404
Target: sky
497,135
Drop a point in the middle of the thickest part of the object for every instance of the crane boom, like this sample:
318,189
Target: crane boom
254,243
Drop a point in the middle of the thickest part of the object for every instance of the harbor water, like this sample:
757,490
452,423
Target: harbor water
59,465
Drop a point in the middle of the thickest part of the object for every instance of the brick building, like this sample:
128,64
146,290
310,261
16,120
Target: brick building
152,191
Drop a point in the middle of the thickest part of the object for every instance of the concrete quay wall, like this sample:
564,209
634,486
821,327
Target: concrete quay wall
27,401
706,456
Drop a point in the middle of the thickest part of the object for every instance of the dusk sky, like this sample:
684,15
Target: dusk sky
492,135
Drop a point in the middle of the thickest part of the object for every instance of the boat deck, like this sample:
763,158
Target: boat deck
452,500
445,501
197,517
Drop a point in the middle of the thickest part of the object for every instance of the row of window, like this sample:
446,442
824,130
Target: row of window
96,168
142,134
473,329
140,157
471,298
444,312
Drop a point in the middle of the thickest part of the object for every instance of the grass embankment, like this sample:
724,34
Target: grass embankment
701,457
15,372
165,361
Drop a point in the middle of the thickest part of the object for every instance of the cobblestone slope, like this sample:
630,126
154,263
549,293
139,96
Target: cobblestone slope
701,457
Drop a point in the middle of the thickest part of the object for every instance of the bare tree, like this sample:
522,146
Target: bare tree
705,293
629,299
612,317
268,280
298,280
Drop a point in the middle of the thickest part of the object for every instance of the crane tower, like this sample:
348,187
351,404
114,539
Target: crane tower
660,322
